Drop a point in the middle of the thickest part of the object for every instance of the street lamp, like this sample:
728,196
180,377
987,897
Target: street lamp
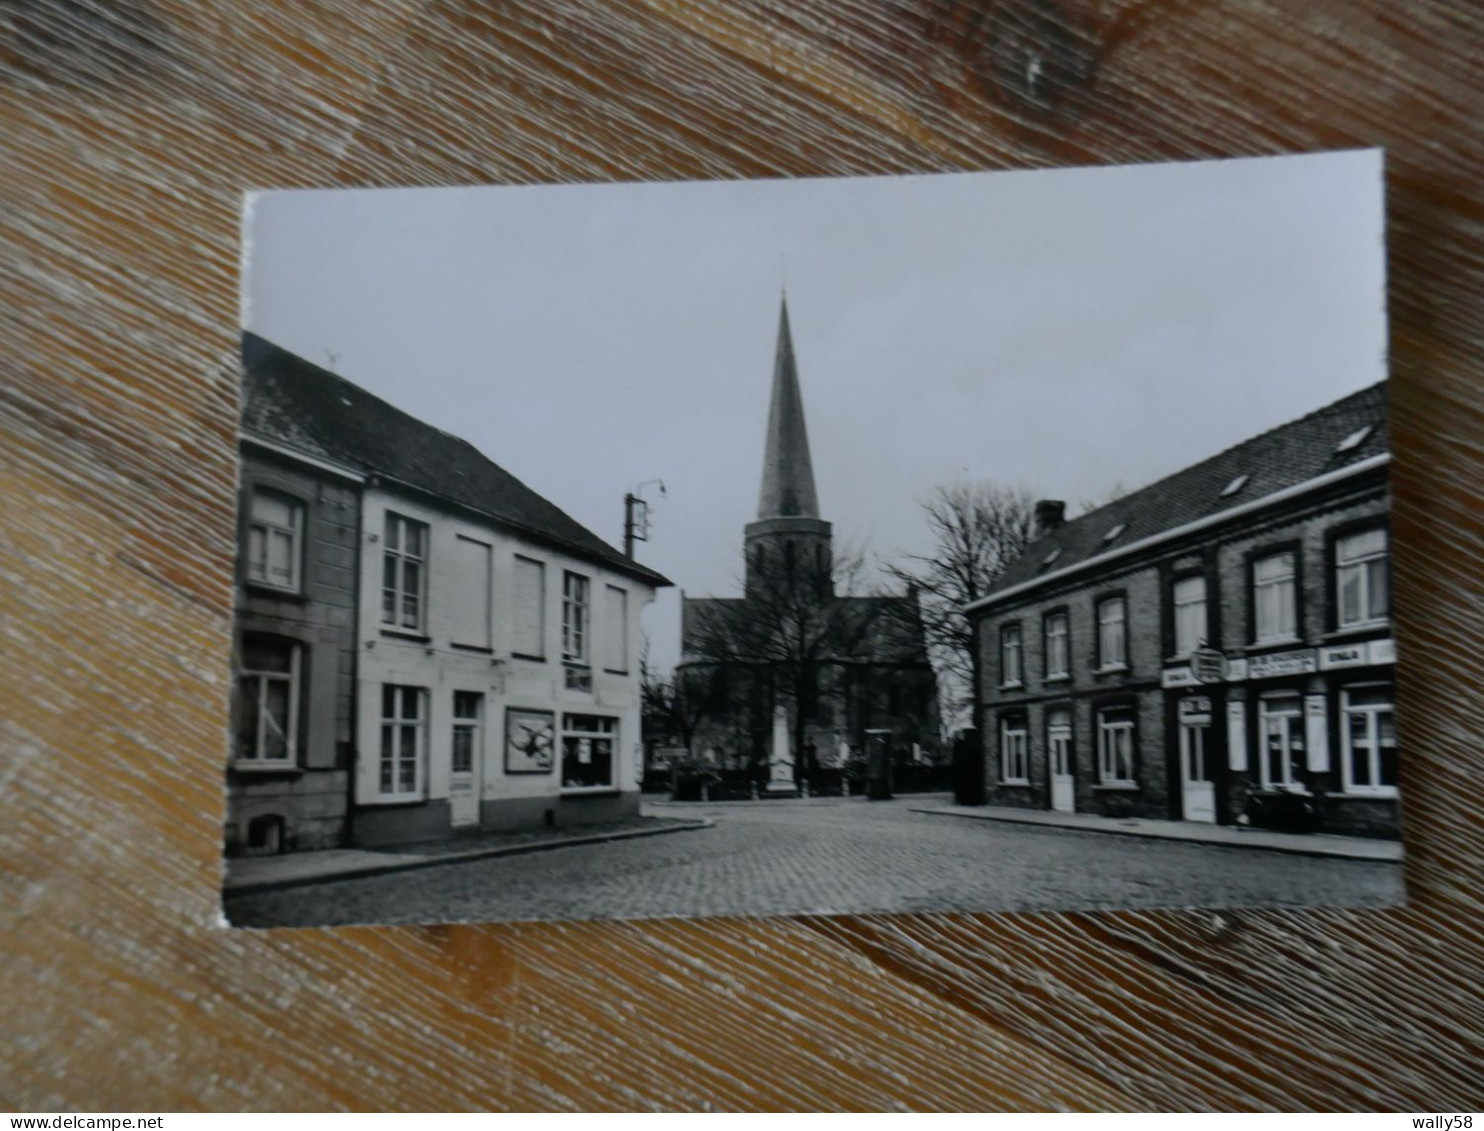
636,515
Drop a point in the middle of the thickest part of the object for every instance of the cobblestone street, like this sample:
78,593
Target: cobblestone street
833,855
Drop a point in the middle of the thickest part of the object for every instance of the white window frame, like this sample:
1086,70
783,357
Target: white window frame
1273,707
576,617
1281,584
1110,725
1190,628
473,725
569,730
260,681
1065,639
1373,710
1106,623
1361,565
1007,633
1015,752
400,559
398,720
260,529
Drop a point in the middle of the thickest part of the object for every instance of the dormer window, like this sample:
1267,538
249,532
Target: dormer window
1234,486
1051,557
1115,532
1354,440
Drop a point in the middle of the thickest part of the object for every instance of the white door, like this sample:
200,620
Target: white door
466,758
1063,784
1195,769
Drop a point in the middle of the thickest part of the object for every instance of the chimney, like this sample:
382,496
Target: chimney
1050,513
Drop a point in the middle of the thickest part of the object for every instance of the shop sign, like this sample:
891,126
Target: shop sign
1195,705
1209,665
1177,677
1298,662
1343,656
1357,655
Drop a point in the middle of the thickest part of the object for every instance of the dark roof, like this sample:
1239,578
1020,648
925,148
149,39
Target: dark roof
1283,457
297,404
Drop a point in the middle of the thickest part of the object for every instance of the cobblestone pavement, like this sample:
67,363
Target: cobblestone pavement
833,855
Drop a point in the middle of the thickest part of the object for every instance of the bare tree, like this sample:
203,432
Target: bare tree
792,629
977,530
674,706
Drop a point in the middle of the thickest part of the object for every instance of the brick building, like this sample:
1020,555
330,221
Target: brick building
1214,647
294,634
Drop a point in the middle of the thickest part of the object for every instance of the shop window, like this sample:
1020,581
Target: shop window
589,743
1282,730
1368,740
267,703
1360,579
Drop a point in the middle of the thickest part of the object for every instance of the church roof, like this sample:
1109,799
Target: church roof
788,474
295,403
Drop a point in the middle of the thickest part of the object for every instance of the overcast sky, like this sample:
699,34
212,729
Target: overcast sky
1060,330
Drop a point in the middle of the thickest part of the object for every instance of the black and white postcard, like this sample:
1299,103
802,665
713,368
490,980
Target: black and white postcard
958,542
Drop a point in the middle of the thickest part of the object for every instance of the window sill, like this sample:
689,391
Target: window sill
265,589
1276,642
1352,631
256,767
615,671
400,634
576,665
1060,677
1016,783
1385,793
529,659
477,649
1116,787
590,791
1111,669
1014,686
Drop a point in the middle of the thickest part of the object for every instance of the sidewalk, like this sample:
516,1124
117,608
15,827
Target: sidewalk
1226,836
250,874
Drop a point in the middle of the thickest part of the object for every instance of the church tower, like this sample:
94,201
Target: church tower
788,538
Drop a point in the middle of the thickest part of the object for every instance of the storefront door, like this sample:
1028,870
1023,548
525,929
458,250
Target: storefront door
466,758
1063,784
1197,789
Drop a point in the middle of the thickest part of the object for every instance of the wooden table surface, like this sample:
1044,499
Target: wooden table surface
130,129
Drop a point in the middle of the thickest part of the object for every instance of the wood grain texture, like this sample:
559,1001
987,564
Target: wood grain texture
131,128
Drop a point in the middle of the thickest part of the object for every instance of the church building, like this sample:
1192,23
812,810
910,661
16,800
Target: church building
797,663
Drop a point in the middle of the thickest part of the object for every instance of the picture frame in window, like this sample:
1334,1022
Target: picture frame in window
530,741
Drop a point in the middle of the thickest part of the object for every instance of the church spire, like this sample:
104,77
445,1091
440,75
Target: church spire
788,474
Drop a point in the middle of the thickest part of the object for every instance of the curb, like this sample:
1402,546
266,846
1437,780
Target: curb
414,864
1294,850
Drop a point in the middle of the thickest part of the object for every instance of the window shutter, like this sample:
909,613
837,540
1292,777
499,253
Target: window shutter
471,587
530,608
616,630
